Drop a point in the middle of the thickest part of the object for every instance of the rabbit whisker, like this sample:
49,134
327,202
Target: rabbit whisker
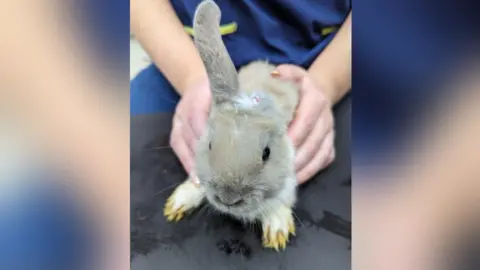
293,212
157,148
203,208
165,189
169,100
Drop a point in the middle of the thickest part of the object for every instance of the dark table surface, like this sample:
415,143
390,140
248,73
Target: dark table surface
206,240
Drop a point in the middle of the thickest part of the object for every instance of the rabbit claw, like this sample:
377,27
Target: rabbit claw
277,229
173,214
185,198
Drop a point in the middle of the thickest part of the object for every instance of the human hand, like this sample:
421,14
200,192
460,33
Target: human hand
312,129
189,122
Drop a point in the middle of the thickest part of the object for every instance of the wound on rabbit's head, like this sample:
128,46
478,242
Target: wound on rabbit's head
258,102
241,160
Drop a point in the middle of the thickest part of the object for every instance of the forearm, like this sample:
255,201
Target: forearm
332,70
160,32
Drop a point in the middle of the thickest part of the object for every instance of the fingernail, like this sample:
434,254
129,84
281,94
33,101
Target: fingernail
196,181
275,73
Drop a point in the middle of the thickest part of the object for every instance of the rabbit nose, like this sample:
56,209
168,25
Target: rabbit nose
232,201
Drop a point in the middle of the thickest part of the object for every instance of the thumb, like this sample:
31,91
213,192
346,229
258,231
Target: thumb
289,72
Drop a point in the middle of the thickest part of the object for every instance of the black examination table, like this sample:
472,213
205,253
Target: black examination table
208,240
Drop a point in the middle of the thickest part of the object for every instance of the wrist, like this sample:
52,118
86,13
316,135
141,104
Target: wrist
193,83
326,86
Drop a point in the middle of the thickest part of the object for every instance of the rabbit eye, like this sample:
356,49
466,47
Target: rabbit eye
266,154
210,145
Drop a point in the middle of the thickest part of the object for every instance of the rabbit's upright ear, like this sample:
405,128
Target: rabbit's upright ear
208,40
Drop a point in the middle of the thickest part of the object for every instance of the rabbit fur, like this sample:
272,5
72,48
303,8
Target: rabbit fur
244,160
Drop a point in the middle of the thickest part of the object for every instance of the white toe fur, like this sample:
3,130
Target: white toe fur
187,195
277,228
279,220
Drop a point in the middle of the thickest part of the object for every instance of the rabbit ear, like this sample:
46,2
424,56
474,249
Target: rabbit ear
208,40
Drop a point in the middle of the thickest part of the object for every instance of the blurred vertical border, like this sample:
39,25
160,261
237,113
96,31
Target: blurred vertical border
107,25
46,228
404,53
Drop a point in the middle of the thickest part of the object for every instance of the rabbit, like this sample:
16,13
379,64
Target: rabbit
244,160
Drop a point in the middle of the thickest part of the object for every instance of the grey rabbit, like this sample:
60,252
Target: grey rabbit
244,159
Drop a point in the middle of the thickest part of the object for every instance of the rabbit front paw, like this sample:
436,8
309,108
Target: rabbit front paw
277,228
185,198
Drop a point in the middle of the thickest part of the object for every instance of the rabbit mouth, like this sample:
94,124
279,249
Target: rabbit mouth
232,203
227,206
240,209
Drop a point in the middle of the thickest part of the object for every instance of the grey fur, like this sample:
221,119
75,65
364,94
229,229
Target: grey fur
208,40
238,131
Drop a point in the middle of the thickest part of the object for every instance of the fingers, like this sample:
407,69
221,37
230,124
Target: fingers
198,125
314,141
188,135
188,125
323,158
179,144
199,119
311,104
311,130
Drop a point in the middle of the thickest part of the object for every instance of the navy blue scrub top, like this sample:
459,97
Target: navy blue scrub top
281,31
